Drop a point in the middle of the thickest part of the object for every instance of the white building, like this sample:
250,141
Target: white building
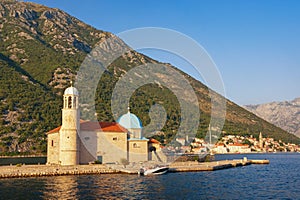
81,142
238,148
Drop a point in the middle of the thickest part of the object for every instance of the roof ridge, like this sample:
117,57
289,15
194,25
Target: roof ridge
94,126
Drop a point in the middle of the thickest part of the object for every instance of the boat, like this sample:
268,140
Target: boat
157,170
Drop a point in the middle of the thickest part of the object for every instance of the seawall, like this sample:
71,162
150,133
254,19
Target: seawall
15,171
47,170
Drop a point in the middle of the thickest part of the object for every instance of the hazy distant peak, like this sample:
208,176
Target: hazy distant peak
285,114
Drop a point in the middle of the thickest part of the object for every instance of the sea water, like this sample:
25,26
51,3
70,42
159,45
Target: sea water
278,180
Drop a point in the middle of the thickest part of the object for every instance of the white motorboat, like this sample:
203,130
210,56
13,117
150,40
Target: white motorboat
154,171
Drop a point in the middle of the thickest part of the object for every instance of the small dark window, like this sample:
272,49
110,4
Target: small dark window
115,138
52,143
135,145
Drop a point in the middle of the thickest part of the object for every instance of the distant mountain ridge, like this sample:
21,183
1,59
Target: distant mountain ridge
41,50
285,115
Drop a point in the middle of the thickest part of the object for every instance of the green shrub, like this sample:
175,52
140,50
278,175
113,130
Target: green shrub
97,162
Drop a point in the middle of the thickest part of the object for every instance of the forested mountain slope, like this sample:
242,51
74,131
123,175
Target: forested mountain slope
41,50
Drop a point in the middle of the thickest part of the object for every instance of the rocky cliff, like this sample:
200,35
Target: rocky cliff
285,115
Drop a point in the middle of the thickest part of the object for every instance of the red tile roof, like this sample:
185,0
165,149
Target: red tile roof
238,144
152,140
96,126
104,126
54,130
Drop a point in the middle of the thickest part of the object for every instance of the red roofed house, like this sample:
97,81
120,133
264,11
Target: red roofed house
220,149
80,142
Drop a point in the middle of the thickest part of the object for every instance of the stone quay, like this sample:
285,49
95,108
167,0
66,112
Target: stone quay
16,171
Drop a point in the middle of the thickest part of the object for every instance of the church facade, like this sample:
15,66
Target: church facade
82,142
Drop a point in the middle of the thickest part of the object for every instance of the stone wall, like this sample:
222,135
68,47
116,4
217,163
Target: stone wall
53,148
46,170
112,146
138,150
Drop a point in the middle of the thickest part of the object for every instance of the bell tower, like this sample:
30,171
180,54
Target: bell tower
261,141
69,141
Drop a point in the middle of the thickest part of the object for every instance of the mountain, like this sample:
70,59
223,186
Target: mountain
41,50
285,115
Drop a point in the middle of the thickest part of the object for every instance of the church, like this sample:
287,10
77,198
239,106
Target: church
82,142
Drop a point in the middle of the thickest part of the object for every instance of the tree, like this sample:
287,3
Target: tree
246,141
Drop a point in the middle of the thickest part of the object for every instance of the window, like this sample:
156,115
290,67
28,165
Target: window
70,102
99,159
74,102
135,145
115,138
65,102
52,143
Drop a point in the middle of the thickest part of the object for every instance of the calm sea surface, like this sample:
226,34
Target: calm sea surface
278,180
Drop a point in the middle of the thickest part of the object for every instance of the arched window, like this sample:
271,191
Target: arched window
65,102
74,102
70,102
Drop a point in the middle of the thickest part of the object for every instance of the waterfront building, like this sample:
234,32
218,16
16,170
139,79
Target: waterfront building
238,148
82,142
220,148
199,150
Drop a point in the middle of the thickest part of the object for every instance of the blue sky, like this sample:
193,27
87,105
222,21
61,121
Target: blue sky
255,44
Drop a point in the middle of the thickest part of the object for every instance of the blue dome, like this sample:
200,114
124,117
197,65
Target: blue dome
130,120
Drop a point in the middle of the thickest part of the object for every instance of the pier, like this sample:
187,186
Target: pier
16,171
212,166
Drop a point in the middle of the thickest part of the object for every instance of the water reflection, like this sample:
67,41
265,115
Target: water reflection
105,186
60,187
92,187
